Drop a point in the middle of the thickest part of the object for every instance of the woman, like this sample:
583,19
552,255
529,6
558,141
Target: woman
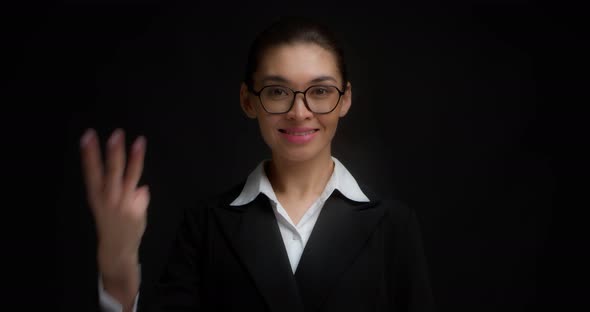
299,234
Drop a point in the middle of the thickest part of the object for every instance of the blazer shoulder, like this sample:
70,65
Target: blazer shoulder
202,207
391,201
223,197
397,210
227,196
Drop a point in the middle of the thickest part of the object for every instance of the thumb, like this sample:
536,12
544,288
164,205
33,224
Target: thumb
142,199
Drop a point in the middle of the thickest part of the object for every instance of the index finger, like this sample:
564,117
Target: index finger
135,166
91,164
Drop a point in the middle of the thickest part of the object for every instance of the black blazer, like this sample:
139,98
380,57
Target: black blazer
359,257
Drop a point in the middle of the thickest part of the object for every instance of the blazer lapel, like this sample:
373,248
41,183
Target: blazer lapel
254,234
342,229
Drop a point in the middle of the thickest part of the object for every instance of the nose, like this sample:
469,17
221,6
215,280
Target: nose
299,109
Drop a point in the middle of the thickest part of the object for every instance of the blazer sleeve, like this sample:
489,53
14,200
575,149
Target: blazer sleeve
412,287
180,284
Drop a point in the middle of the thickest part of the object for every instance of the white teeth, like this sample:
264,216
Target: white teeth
300,133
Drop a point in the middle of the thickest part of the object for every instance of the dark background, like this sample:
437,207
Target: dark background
462,111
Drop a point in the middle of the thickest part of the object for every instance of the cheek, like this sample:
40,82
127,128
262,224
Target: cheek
330,123
267,128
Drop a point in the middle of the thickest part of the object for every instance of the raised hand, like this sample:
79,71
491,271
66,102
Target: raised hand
118,205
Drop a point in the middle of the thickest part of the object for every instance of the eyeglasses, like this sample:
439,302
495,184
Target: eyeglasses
319,99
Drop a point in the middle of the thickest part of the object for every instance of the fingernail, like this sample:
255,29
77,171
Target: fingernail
114,138
139,143
86,137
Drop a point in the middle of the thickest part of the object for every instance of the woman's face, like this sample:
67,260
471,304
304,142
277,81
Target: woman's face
296,66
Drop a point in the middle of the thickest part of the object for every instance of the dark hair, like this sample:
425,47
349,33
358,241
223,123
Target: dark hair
293,30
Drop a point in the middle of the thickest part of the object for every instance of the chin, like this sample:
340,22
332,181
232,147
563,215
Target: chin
297,157
298,154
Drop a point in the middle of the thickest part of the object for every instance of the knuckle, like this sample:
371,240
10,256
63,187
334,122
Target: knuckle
112,201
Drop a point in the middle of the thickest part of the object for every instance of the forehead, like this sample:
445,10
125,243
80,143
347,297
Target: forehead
298,63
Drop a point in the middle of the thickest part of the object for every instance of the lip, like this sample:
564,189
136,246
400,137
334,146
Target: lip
298,139
298,129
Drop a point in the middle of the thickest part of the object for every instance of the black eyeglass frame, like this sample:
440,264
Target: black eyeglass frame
257,93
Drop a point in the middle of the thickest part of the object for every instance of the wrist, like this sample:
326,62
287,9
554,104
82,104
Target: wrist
115,267
123,288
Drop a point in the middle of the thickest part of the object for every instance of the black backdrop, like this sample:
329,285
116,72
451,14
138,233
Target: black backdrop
449,113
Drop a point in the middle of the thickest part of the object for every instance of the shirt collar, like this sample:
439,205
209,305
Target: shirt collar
341,179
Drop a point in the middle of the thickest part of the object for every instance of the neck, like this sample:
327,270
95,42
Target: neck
300,178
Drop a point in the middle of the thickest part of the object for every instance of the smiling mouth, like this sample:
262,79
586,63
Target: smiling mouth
299,133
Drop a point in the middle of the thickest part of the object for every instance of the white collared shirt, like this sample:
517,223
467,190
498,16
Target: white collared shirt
295,236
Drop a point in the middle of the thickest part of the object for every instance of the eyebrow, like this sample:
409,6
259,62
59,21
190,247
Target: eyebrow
281,79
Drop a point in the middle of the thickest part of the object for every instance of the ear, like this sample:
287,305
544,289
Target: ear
346,100
245,102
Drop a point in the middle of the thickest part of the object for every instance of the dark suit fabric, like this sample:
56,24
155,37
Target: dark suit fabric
360,257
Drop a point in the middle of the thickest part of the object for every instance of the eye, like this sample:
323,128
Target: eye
278,91
275,92
321,91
